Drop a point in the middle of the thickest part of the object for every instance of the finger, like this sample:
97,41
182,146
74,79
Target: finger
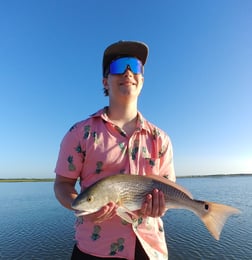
111,210
107,212
98,216
144,209
155,203
162,206
149,204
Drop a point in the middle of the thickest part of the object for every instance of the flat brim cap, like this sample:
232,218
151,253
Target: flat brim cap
124,49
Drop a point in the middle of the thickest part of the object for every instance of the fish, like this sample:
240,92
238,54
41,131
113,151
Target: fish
128,192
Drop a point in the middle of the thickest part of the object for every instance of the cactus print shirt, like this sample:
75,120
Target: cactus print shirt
96,148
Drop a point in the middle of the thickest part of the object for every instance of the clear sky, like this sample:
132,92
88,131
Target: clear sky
198,77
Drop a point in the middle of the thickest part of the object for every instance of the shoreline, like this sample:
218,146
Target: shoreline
27,180
185,176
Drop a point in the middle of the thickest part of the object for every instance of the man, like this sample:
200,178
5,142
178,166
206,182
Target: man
117,140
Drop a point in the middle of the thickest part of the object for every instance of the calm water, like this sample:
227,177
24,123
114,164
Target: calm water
34,226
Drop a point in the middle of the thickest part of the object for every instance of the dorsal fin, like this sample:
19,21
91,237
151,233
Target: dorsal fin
170,183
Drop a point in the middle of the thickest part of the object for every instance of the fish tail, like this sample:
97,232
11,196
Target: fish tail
215,216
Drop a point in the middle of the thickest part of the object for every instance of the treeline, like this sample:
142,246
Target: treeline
27,180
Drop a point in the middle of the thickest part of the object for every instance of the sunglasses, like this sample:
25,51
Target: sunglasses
120,65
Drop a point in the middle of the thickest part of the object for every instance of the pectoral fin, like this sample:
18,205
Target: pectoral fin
126,214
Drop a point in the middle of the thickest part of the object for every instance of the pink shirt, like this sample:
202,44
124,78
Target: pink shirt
96,148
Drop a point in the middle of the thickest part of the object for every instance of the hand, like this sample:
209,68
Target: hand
105,213
154,204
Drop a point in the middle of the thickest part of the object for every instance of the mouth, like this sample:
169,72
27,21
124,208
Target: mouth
79,213
127,83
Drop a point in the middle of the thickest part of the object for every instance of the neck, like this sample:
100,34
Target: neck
124,117
122,113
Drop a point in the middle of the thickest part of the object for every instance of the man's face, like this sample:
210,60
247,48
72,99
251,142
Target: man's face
124,86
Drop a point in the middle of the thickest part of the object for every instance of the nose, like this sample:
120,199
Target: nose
128,72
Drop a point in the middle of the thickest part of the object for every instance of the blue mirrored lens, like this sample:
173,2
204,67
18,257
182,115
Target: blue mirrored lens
120,65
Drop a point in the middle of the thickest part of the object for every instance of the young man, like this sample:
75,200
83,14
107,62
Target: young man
117,140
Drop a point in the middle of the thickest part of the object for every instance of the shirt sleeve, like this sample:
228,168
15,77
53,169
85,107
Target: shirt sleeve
166,159
71,155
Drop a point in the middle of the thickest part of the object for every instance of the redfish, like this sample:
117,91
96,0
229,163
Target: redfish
129,191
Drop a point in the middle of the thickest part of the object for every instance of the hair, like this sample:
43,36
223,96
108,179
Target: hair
105,91
106,73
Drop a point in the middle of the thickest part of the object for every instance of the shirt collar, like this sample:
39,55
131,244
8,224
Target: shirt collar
141,122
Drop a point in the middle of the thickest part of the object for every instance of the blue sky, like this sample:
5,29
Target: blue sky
198,80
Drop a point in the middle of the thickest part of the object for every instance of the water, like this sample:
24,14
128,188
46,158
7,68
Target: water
34,226
189,239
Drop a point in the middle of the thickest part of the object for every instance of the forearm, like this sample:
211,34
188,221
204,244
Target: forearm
65,191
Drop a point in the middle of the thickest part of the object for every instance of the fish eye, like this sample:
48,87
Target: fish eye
90,198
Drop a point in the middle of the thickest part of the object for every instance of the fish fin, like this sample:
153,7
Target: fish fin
216,217
124,213
170,183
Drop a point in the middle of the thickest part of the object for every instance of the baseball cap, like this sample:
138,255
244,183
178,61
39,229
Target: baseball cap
135,49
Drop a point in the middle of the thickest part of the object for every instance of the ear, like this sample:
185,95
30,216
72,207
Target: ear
105,83
142,80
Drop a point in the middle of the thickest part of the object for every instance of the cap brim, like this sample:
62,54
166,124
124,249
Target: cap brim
125,48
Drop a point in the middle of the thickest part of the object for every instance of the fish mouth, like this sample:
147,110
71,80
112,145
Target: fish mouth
79,213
